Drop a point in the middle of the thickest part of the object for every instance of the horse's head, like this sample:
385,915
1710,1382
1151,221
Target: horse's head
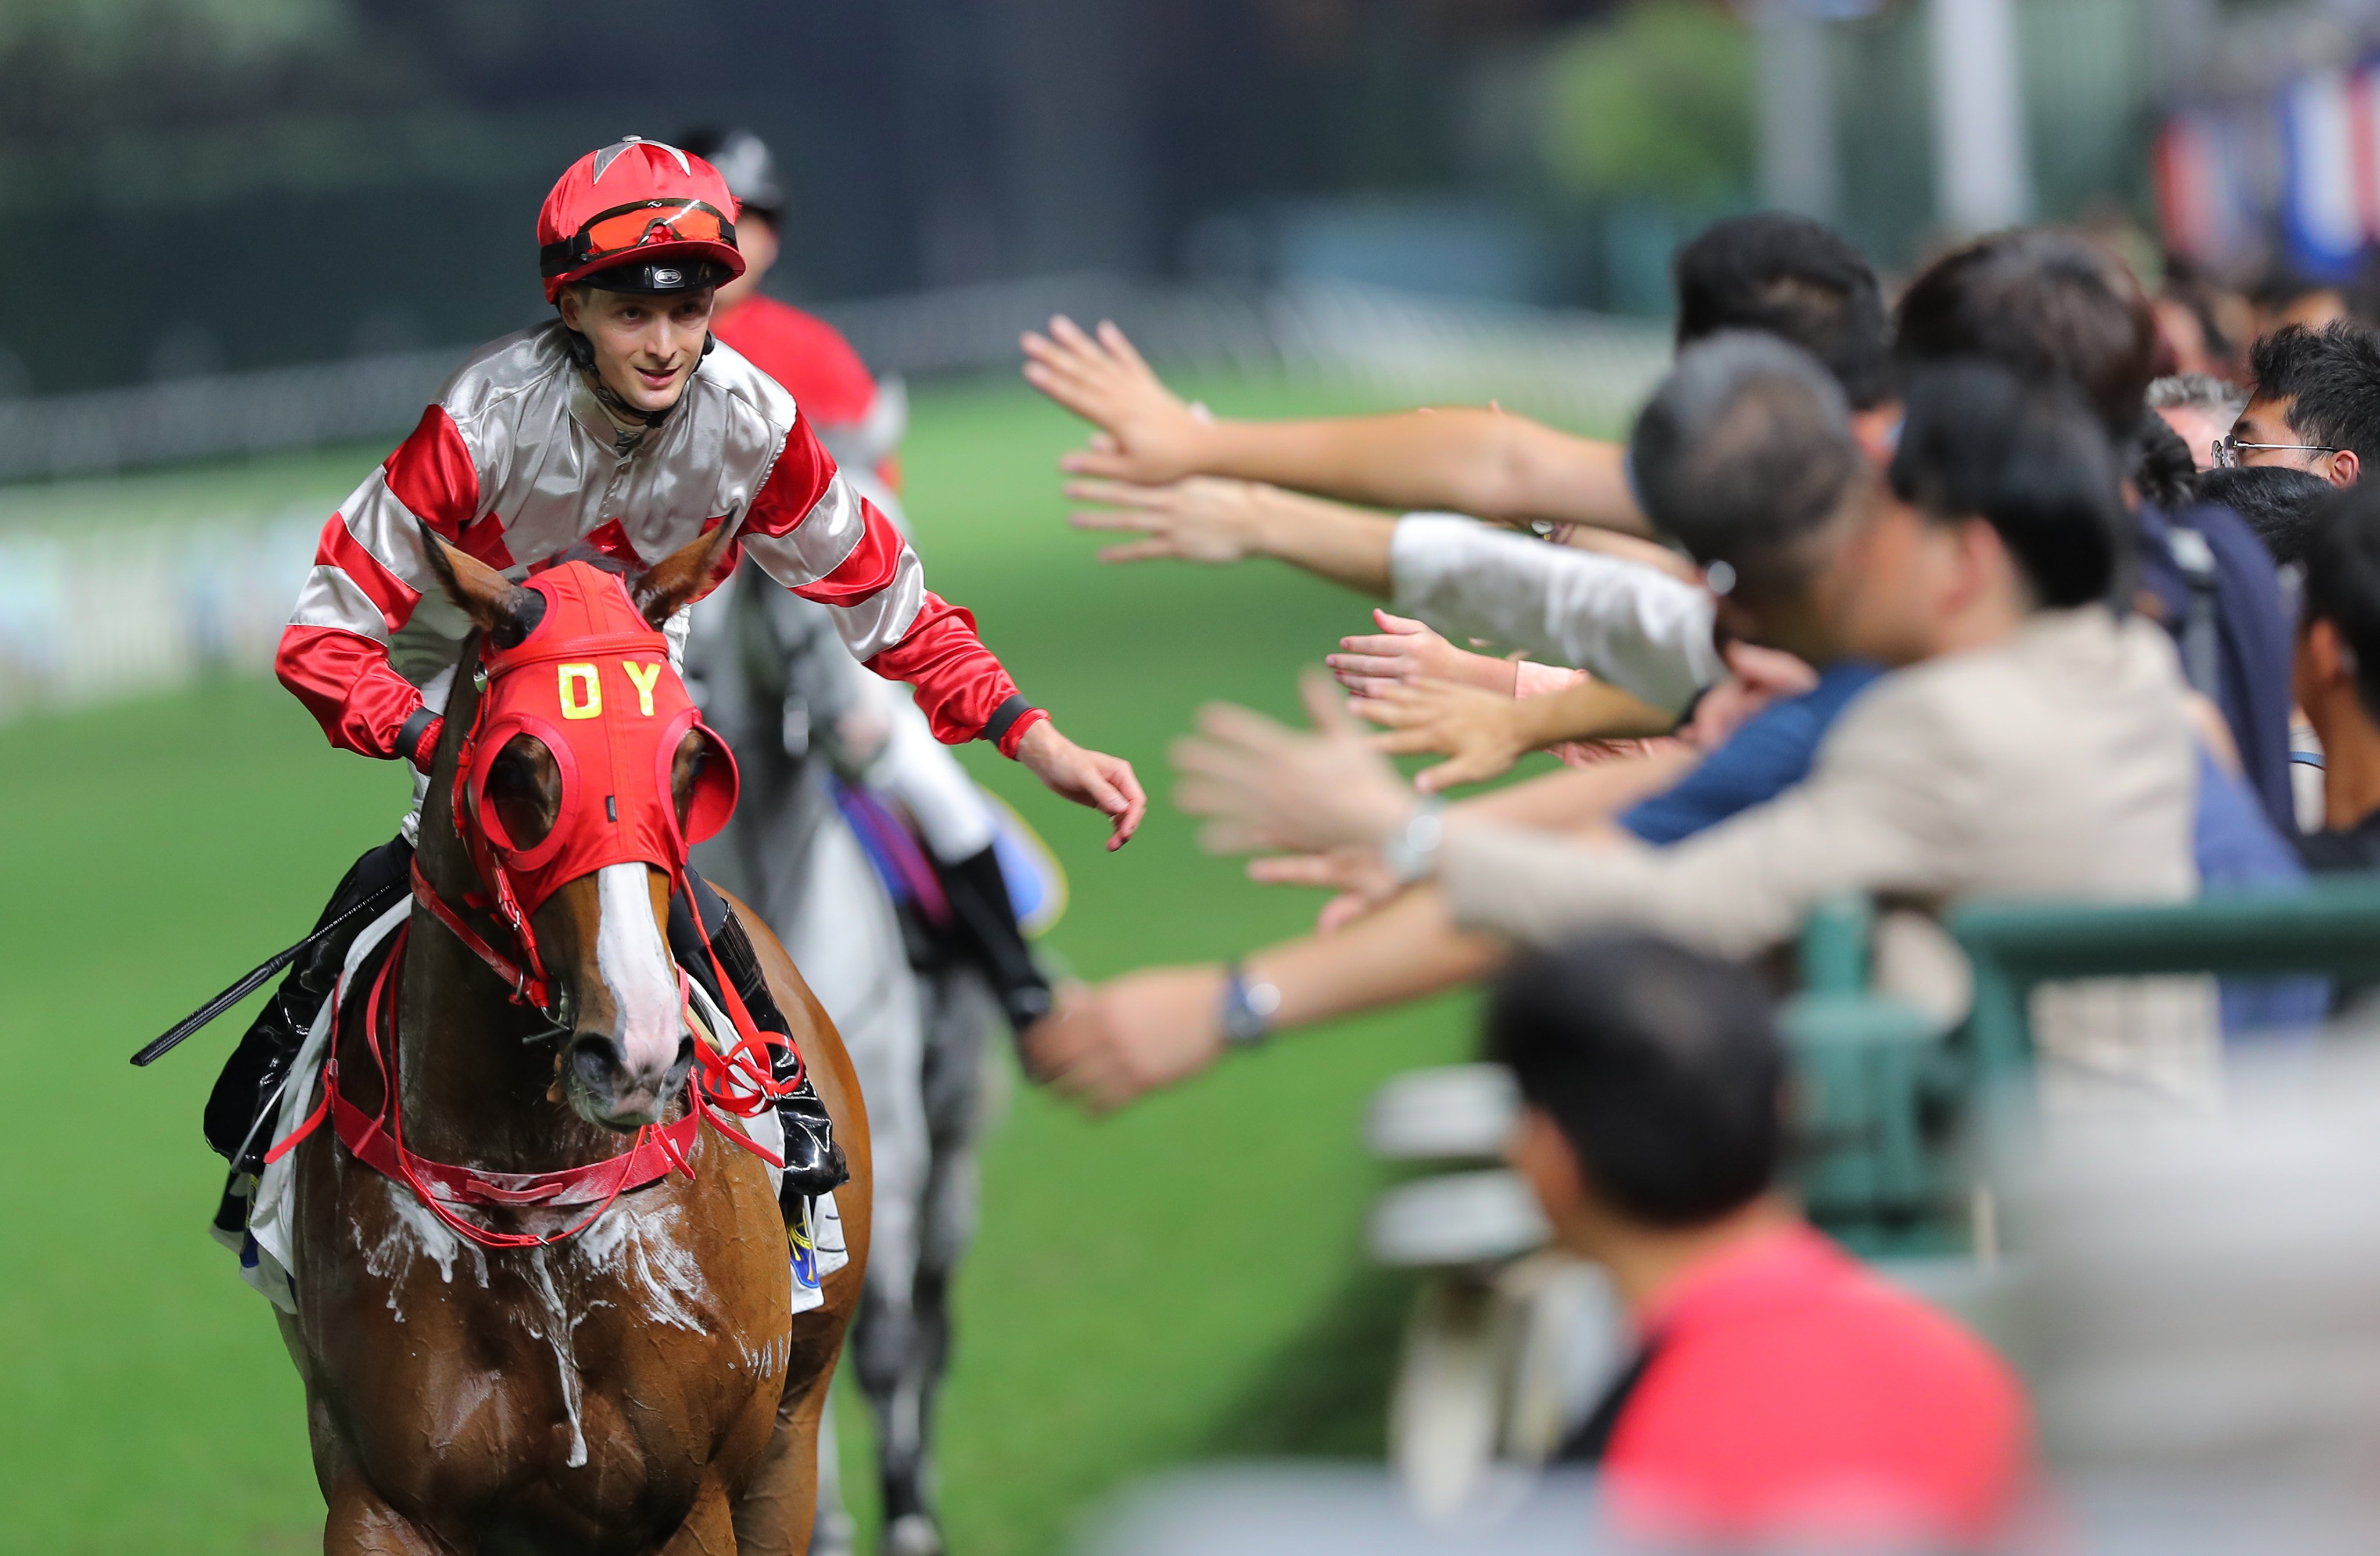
574,777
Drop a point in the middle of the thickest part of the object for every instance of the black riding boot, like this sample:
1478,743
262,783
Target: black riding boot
814,1163
252,1075
987,935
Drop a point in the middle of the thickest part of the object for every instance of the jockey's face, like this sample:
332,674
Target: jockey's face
646,348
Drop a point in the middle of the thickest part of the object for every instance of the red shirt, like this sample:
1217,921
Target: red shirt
805,354
1791,1391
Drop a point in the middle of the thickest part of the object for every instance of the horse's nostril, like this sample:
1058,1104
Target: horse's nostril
597,1060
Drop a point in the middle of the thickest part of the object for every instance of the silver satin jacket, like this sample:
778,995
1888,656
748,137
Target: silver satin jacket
519,466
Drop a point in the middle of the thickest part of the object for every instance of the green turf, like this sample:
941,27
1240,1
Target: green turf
1180,1280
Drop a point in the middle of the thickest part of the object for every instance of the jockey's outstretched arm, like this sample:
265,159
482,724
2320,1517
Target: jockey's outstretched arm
805,525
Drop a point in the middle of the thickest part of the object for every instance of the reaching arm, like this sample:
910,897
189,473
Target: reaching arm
1878,814
1483,734
811,532
1637,627
1207,520
1108,1045
1105,1046
1502,467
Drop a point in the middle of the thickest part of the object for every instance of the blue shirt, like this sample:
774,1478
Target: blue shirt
2237,847
1768,755
2252,643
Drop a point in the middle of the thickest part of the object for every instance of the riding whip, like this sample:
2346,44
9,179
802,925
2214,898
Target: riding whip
256,977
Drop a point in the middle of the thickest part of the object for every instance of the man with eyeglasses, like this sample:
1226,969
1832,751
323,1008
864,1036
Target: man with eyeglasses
2315,405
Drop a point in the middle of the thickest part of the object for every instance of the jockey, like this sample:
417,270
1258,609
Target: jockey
616,433
861,423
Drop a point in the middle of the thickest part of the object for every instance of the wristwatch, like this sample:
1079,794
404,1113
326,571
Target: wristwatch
1246,1009
1411,852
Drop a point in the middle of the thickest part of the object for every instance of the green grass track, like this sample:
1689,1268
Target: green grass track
1177,1282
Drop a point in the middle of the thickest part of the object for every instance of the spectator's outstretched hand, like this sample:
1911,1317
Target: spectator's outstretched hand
1362,881
1147,433
1204,519
1404,652
1106,1046
1481,733
1093,778
1262,785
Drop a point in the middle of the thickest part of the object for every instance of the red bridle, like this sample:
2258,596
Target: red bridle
590,643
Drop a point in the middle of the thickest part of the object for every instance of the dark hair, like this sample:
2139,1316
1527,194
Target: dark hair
2331,375
2281,505
2029,458
2283,286
1660,1066
2163,468
2041,303
1793,277
2342,580
1744,450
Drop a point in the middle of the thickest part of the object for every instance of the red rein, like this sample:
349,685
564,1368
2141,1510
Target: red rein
738,1081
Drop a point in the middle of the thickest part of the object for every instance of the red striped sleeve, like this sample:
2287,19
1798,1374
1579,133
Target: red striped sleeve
331,657
432,475
346,683
960,684
340,549
803,471
872,564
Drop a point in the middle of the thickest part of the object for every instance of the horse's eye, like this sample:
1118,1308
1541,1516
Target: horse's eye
524,789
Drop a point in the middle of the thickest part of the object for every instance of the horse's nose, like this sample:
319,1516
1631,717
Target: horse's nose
623,1095
598,1062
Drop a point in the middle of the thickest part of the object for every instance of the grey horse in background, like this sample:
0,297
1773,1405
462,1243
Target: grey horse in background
800,714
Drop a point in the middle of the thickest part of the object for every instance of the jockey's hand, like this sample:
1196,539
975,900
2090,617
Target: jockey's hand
1405,651
1104,783
1146,433
1481,733
1204,519
1107,1046
1362,881
1265,785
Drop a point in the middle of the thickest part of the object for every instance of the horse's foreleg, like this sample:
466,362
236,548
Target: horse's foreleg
710,1526
363,1524
774,1514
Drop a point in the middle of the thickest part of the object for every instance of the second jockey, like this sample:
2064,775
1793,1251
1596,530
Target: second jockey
616,433
861,423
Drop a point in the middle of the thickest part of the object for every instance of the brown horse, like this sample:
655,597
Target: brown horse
637,1387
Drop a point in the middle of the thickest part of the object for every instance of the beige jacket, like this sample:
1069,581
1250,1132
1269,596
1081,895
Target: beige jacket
2059,764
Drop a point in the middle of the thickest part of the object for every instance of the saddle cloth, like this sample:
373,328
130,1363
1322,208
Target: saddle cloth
267,1252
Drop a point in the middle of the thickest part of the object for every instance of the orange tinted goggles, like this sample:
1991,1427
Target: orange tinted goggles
626,227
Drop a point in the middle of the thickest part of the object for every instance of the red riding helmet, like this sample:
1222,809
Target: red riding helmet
662,218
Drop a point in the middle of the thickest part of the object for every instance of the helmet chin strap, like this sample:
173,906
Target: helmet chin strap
582,355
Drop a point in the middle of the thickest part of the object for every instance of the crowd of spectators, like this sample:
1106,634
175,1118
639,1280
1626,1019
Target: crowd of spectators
2023,583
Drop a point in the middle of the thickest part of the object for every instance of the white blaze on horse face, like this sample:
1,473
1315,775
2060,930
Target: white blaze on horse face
635,967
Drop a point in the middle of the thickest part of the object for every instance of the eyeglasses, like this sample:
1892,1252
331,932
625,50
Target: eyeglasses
625,227
2228,449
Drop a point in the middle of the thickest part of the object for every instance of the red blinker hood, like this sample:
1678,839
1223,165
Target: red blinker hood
593,682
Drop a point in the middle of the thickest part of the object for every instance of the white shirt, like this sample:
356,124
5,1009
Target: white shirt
1638,628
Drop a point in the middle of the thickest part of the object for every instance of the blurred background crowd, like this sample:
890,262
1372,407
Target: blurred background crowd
1887,1073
